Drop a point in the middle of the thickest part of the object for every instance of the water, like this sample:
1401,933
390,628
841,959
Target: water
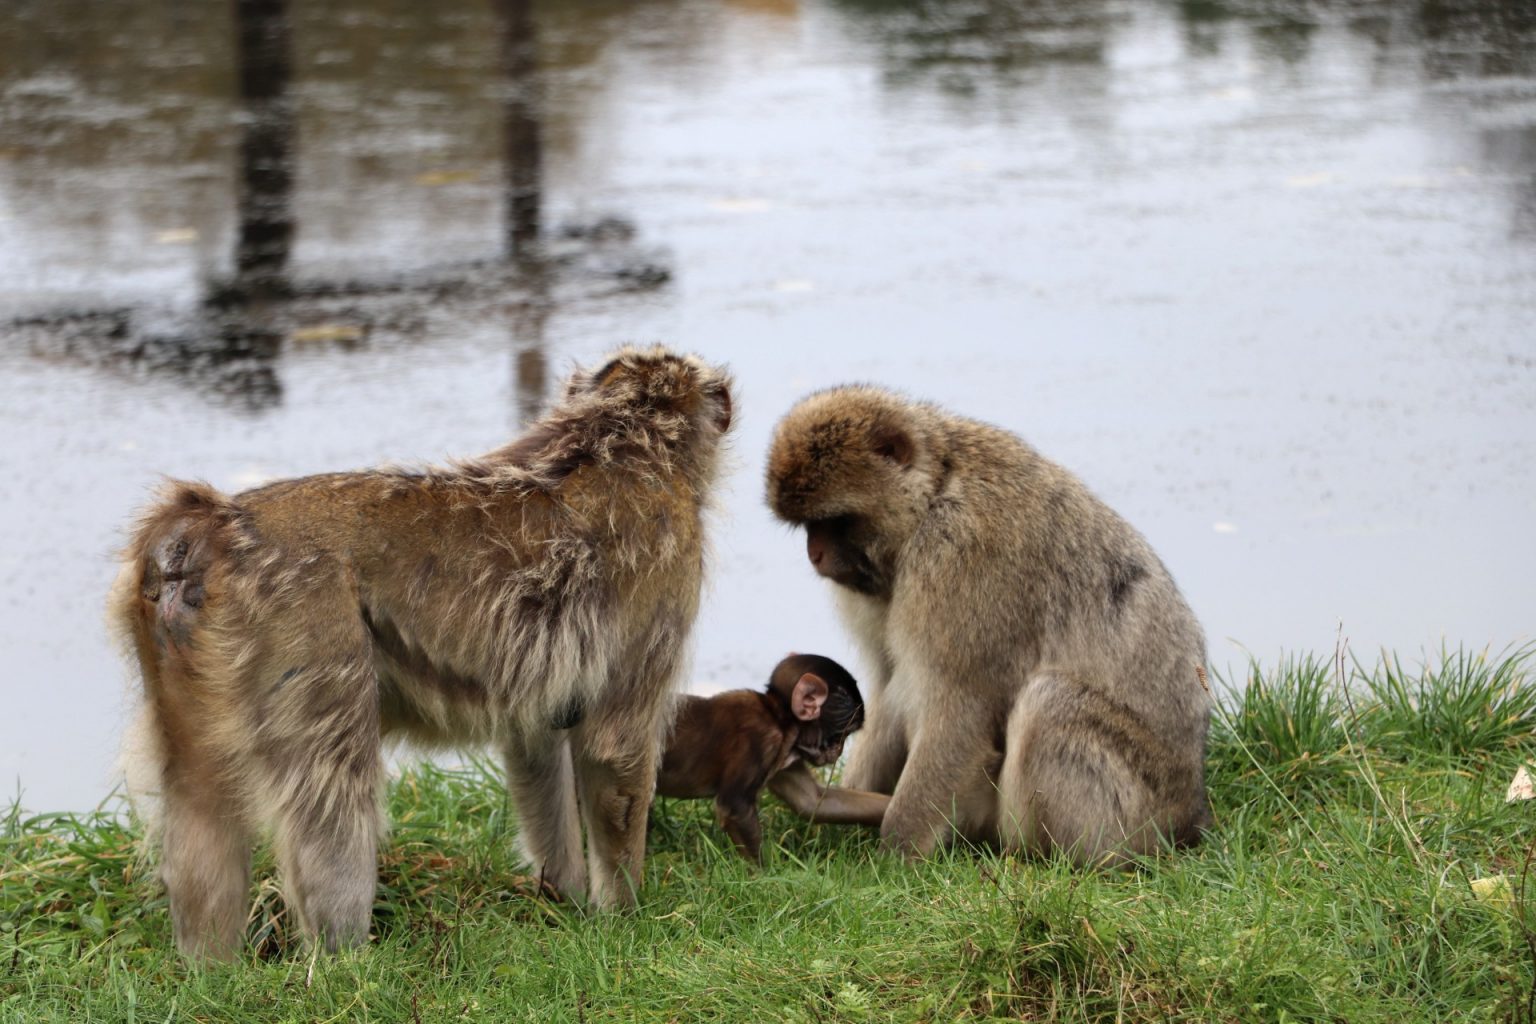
1263,274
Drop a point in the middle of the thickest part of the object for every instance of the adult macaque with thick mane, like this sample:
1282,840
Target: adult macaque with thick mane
538,597
1037,677
732,744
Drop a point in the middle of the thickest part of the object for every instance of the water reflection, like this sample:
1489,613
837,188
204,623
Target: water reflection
1511,151
228,343
524,161
967,48
1003,55
1483,39
228,340
1284,33
524,164
264,71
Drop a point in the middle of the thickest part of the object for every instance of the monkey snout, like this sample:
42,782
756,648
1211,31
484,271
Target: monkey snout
815,549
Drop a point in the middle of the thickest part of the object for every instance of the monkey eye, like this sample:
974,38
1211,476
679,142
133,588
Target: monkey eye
837,525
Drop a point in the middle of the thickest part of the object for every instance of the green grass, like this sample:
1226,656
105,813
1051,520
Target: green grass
1355,806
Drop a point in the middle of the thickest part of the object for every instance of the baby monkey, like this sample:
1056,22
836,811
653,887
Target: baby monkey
729,745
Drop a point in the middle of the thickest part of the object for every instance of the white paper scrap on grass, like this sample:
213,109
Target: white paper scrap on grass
1523,788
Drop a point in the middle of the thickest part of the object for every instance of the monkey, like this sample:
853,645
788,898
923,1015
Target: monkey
730,745
1035,674
537,598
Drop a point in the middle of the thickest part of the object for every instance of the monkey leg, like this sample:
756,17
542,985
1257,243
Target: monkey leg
204,834
879,751
205,862
947,784
1081,776
542,784
325,780
615,761
327,853
737,814
826,805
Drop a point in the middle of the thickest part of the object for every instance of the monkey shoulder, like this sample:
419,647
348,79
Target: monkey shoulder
741,718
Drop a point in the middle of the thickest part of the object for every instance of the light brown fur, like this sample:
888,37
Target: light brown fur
1033,670
538,598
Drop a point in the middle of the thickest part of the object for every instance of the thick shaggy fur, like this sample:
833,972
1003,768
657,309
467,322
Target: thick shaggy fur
1035,677
538,598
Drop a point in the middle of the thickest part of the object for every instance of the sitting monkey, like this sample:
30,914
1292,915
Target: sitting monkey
729,745
1036,676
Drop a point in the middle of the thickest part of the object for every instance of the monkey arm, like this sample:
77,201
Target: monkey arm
880,751
826,805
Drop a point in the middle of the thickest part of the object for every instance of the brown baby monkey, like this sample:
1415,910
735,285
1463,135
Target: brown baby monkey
730,745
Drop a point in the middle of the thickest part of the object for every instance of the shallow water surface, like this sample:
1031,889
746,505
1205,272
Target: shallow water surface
1263,274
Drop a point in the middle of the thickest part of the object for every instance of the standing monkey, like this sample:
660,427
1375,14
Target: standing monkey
732,744
1037,675
537,597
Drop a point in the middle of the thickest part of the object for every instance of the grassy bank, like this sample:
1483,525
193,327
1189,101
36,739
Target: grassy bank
1353,820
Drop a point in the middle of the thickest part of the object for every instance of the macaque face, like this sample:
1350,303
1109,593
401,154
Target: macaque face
837,551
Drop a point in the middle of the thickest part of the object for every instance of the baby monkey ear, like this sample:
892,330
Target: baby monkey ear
809,695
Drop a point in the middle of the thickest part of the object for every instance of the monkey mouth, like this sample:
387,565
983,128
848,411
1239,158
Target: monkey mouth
820,757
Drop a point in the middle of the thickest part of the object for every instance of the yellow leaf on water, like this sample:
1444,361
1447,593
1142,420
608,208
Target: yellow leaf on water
447,177
326,332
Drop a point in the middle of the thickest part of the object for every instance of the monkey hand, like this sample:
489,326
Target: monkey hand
909,839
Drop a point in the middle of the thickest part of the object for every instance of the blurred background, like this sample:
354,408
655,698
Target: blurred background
1263,272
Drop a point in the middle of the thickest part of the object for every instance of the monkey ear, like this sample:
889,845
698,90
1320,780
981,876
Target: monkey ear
722,396
809,695
603,375
894,444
